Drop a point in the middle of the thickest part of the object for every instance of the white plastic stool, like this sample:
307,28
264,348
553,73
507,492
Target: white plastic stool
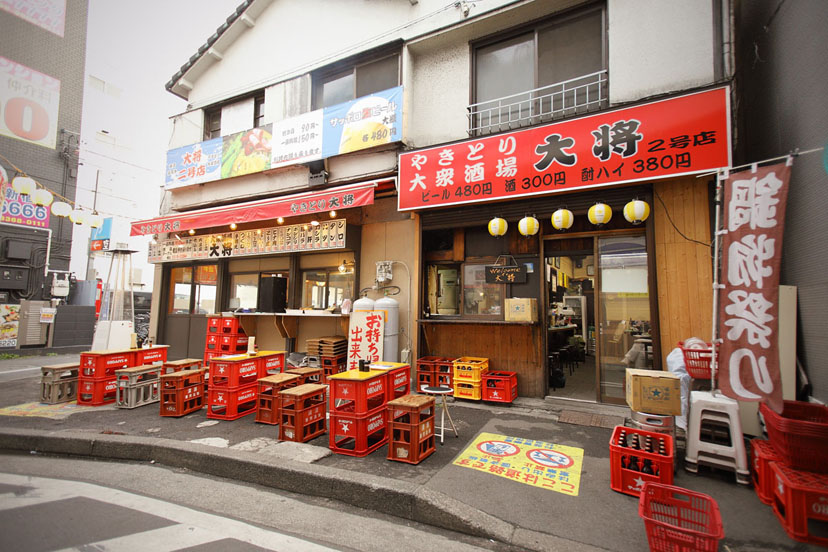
719,410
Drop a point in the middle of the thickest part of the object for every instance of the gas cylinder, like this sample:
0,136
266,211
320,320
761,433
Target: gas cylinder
391,308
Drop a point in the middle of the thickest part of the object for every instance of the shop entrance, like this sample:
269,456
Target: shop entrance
191,295
598,314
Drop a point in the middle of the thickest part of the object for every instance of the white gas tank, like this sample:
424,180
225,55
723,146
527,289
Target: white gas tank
390,348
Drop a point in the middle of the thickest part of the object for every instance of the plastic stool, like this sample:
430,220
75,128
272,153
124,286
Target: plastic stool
708,410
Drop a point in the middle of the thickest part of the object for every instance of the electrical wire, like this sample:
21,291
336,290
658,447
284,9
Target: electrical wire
667,212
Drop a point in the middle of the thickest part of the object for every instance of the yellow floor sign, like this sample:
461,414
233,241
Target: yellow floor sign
527,461
40,410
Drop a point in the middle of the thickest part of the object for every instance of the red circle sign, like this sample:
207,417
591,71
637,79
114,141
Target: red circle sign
497,448
550,458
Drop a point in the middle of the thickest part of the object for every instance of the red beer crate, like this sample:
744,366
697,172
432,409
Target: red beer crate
629,456
762,454
182,392
102,364
357,393
800,501
328,371
235,371
399,378
799,434
233,343
267,396
434,370
96,392
333,360
211,343
302,412
411,428
470,369
358,435
183,364
213,324
231,403
150,355
231,325
208,356
679,519
499,386
272,362
308,374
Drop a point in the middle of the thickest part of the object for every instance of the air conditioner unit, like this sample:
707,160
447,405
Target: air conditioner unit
31,331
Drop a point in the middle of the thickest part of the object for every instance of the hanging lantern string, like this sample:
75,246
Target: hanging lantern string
23,173
794,153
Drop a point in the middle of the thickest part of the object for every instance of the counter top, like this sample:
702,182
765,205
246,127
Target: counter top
473,321
320,313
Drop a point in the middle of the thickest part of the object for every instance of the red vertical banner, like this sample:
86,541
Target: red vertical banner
754,219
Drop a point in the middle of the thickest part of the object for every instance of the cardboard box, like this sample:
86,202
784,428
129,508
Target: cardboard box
654,392
521,310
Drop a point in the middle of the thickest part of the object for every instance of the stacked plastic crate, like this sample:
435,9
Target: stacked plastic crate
638,457
434,371
500,386
267,396
789,469
59,383
468,377
411,428
182,392
225,336
358,401
329,352
232,391
302,412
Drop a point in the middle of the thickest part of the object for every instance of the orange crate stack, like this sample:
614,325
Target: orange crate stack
638,457
182,392
302,412
231,403
467,377
267,396
499,386
411,428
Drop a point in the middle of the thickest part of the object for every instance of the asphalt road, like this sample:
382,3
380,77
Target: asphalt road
49,503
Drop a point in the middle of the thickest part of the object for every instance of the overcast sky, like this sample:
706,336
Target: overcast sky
133,48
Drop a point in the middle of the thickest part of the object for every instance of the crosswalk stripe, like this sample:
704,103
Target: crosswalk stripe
165,539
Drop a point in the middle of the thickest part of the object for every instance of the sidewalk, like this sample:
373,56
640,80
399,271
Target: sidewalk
434,491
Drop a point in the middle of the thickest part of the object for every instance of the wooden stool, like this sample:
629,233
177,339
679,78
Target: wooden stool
308,374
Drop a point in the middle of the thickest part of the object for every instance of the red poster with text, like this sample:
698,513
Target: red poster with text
683,135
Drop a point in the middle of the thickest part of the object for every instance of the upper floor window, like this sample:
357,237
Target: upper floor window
551,70
239,114
340,86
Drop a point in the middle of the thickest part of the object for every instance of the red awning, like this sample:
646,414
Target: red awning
307,203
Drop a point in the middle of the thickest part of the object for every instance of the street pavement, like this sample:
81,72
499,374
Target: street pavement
436,491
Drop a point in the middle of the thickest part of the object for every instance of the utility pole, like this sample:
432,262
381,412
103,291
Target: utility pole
90,260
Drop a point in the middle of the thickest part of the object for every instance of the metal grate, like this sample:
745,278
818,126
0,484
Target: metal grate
572,97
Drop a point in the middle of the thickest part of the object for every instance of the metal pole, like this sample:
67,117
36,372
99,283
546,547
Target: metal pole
90,259
721,175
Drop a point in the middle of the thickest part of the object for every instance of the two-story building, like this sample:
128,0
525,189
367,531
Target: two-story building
448,138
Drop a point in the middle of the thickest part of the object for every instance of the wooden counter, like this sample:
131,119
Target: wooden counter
288,323
511,346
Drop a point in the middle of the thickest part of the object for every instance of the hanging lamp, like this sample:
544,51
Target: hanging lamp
636,211
562,219
61,209
498,227
528,226
599,214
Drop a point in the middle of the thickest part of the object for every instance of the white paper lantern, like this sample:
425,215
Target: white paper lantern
528,226
24,185
636,211
600,213
562,219
95,220
42,196
61,209
77,216
498,227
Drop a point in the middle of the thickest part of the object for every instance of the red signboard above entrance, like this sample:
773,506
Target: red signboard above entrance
683,135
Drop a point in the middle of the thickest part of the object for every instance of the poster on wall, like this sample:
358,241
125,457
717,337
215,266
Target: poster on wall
363,123
193,164
29,102
9,324
297,140
365,335
754,218
47,14
246,152
20,210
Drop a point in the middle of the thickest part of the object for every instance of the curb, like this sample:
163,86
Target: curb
389,496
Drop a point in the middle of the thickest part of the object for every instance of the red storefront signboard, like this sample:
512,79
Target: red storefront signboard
754,218
677,136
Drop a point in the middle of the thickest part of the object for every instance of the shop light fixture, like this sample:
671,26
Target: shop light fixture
233,226
528,226
332,214
636,211
259,232
599,214
345,266
280,220
191,231
498,227
154,239
562,219
314,223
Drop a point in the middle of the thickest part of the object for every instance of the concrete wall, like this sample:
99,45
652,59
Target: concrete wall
783,109
659,46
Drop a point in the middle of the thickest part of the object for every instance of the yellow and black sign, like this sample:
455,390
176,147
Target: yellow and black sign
496,274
